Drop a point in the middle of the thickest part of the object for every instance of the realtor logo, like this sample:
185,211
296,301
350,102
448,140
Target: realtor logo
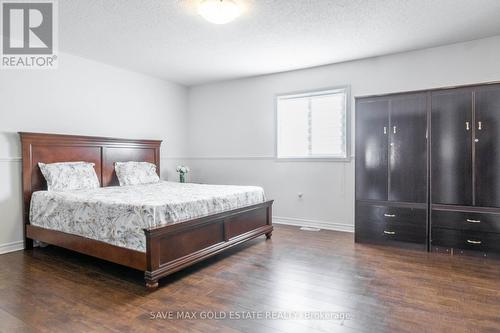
29,34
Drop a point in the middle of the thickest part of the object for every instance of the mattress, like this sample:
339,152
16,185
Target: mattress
117,214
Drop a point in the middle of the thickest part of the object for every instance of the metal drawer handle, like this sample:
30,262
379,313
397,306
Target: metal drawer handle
389,215
473,242
473,221
389,232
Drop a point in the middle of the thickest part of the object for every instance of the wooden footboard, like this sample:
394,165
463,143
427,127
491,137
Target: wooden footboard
173,247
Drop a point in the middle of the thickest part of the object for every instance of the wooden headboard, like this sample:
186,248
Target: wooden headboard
104,152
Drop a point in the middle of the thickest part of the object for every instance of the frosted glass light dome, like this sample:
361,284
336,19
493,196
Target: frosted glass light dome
219,11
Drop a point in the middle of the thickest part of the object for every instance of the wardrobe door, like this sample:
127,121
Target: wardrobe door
408,148
371,149
487,145
451,155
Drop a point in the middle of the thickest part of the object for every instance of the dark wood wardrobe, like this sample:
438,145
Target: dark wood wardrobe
428,170
391,170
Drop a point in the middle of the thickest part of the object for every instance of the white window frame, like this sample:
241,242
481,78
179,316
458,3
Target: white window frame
347,119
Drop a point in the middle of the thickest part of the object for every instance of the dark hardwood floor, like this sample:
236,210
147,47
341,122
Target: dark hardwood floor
382,289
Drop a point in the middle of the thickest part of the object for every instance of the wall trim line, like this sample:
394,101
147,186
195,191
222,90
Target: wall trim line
11,247
327,225
10,159
243,157
251,157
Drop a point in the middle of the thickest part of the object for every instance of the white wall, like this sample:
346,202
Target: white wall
227,135
82,97
232,128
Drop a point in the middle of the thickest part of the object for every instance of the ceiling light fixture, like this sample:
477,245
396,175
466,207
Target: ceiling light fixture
219,11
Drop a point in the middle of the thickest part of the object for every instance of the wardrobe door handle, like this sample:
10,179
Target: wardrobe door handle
467,126
385,130
480,125
389,232
473,221
394,129
389,215
473,242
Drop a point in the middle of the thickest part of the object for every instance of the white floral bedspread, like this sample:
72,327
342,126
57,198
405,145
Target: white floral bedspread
117,215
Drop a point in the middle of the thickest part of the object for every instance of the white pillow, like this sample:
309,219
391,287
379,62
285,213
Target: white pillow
136,173
66,176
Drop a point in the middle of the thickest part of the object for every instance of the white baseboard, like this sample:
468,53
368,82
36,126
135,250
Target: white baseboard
11,247
313,223
19,245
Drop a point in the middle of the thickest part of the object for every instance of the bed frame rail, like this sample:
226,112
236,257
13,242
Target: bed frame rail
174,247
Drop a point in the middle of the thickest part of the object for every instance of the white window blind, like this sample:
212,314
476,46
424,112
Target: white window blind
312,125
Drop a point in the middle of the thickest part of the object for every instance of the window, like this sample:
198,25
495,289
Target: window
312,125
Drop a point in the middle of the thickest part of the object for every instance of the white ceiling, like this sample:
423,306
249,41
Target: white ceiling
168,39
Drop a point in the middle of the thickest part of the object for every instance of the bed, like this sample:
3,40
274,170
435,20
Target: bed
156,228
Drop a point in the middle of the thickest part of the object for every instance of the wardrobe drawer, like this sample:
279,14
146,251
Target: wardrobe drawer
467,240
379,214
381,224
485,222
392,231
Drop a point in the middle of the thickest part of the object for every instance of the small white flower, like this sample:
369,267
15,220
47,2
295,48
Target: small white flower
182,169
